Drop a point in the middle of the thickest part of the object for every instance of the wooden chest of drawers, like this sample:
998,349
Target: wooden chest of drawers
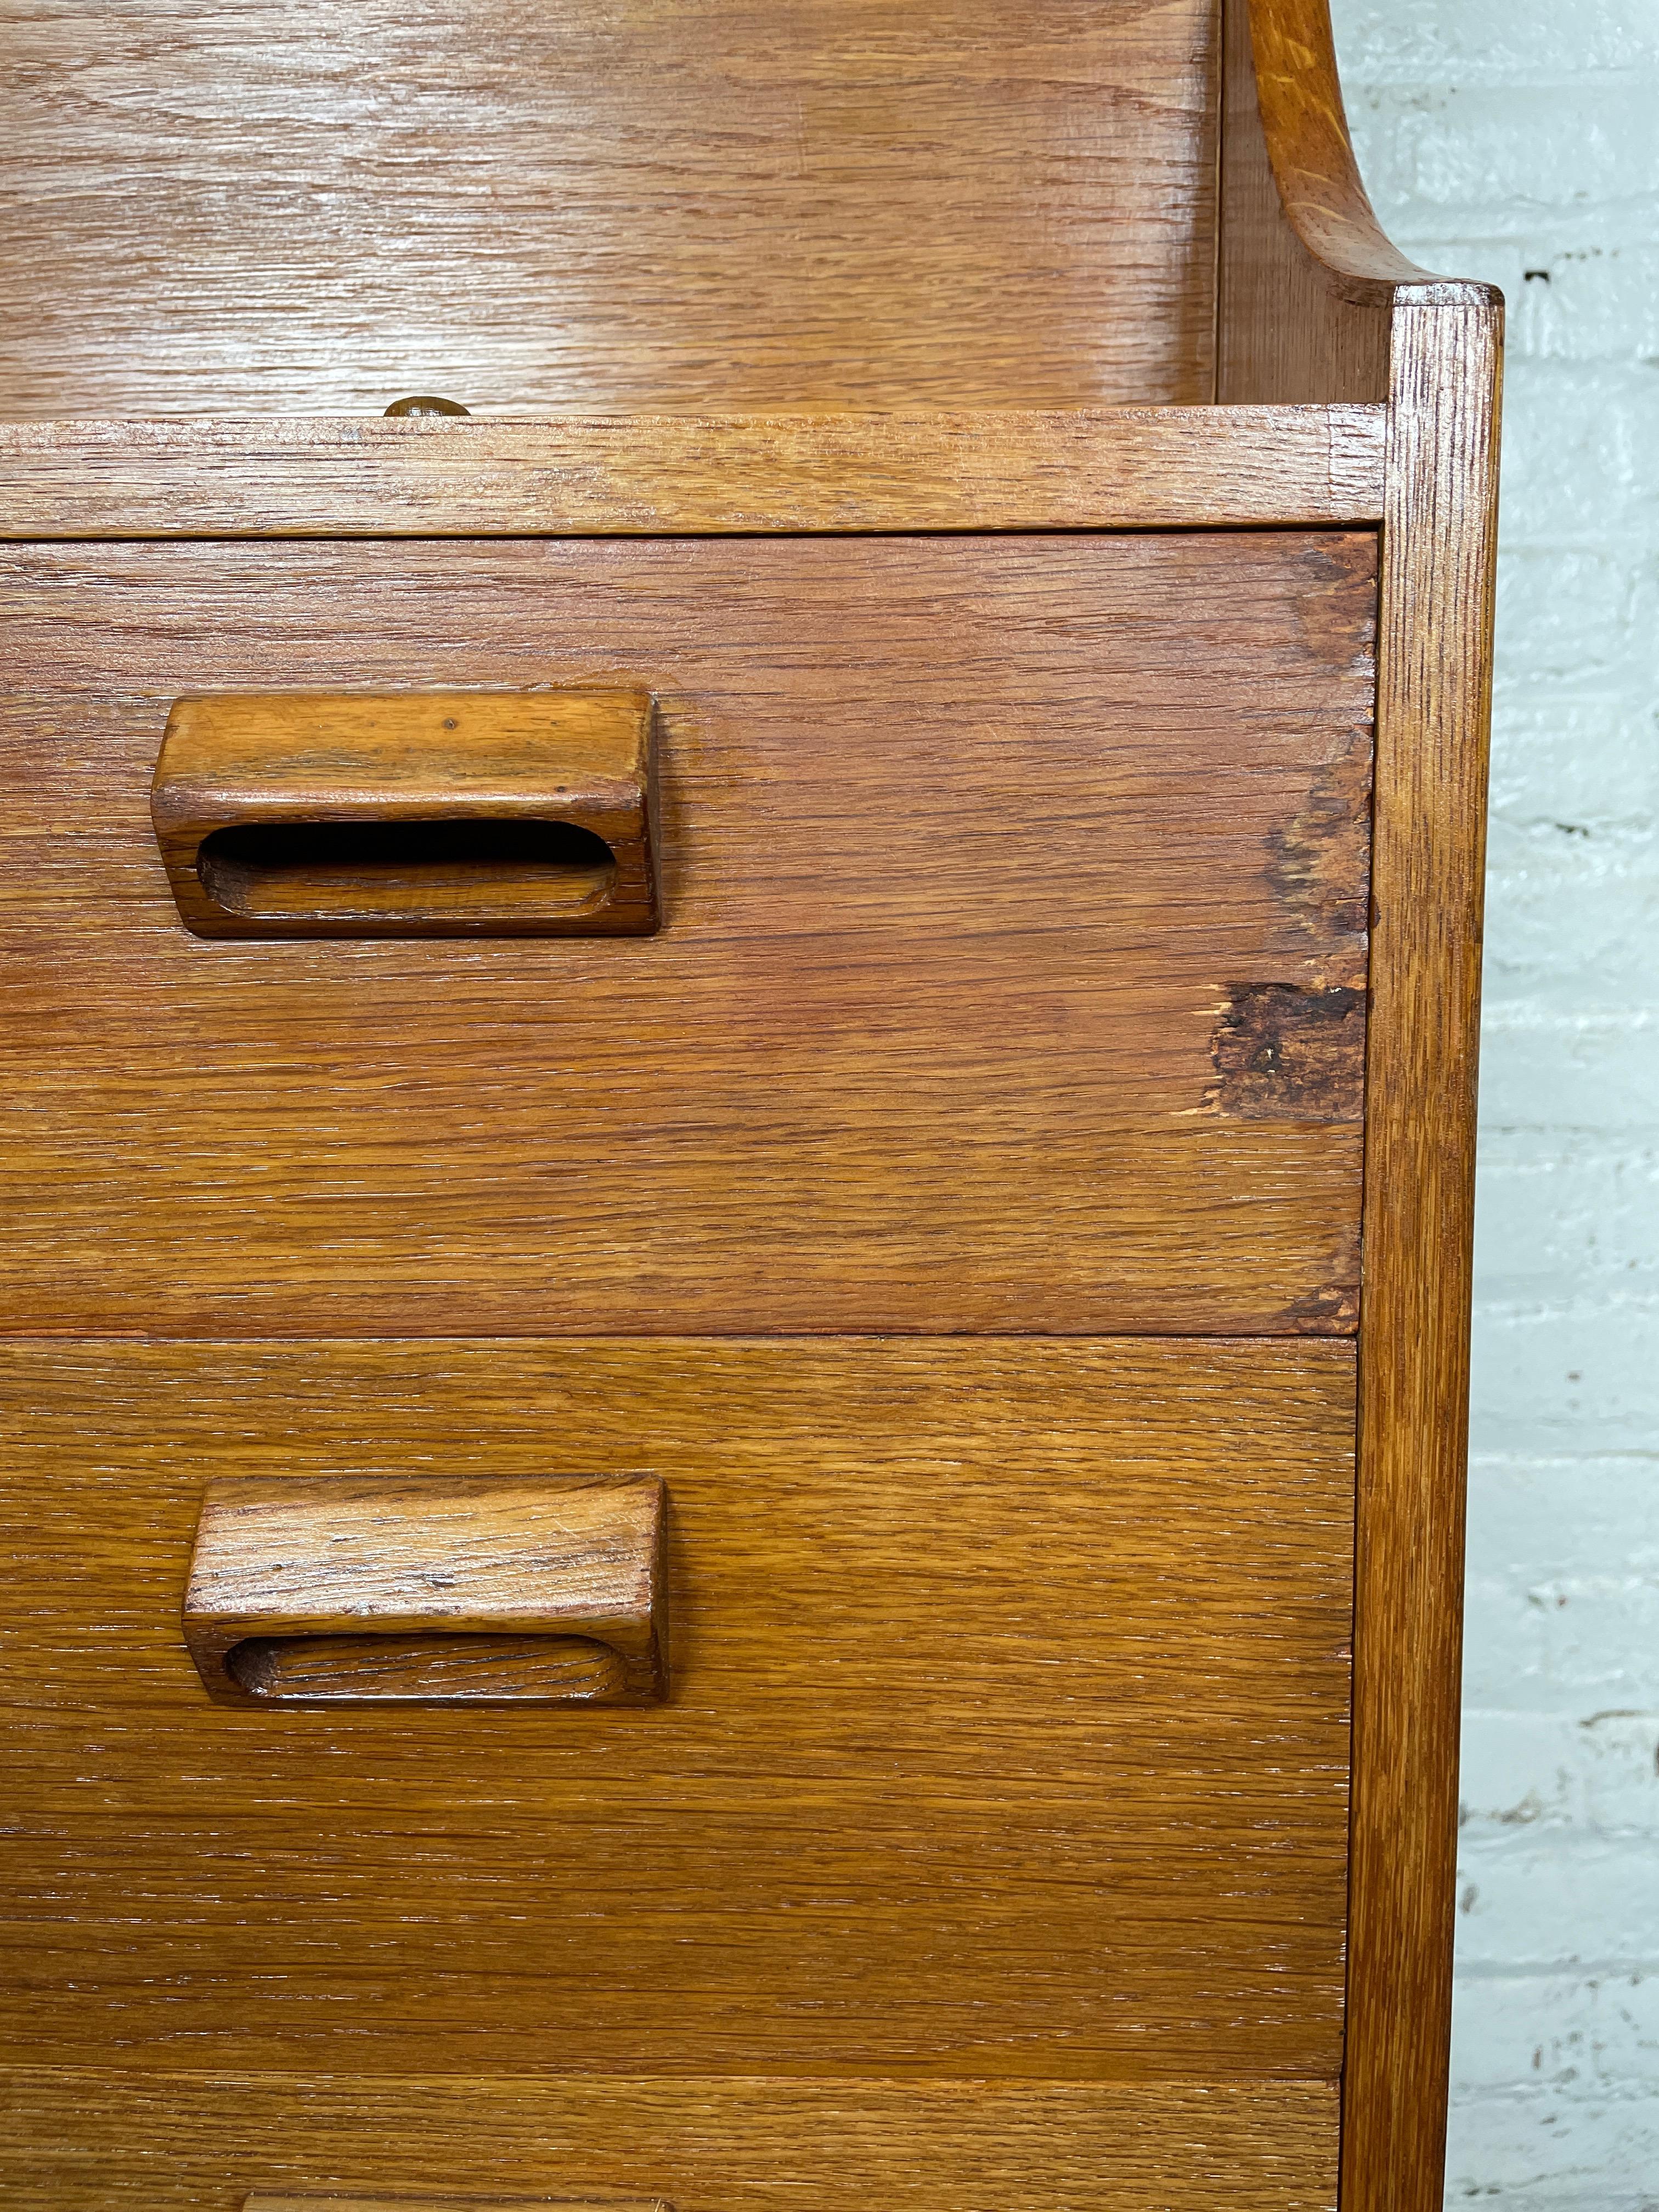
1002,1186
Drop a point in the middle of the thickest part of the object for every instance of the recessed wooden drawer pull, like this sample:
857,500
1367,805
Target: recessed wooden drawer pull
415,814
540,1591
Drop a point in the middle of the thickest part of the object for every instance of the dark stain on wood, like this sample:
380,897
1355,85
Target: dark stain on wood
1337,607
1283,1053
1332,1310
1319,864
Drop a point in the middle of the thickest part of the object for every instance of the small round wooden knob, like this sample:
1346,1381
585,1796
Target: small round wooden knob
427,403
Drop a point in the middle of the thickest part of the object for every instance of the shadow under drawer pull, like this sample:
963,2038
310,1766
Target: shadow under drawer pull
466,1669
542,1590
381,871
410,814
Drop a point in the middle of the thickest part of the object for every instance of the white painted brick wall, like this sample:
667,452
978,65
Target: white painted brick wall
1500,137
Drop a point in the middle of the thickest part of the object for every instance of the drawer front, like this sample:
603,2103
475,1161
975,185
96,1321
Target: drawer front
155,2142
1011,974
1007,1733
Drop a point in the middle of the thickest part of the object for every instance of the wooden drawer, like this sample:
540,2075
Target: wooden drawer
1012,974
1008,1731
151,2140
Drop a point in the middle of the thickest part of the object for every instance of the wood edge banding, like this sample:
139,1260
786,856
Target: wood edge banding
662,475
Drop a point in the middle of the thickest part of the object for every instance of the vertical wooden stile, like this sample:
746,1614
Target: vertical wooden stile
1314,301
1434,703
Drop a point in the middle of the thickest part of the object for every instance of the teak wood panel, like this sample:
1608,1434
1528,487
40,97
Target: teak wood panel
289,2202
1316,304
263,2201
1007,1732
619,476
1306,281
1435,711
215,207
151,2141
1011,972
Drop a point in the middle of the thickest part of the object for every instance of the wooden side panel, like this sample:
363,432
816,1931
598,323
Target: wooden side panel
1007,1733
159,2142
1011,971
220,206
1305,276
1434,713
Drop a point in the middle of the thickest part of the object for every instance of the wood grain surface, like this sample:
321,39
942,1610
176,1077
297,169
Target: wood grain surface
1316,304
1007,1733
81,2141
428,814
219,207
471,1668
262,2201
1434,709
617,475
1306,278
334,1577
1095,1835
981,858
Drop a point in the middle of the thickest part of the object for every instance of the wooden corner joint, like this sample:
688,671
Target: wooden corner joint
487,1590
411,814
